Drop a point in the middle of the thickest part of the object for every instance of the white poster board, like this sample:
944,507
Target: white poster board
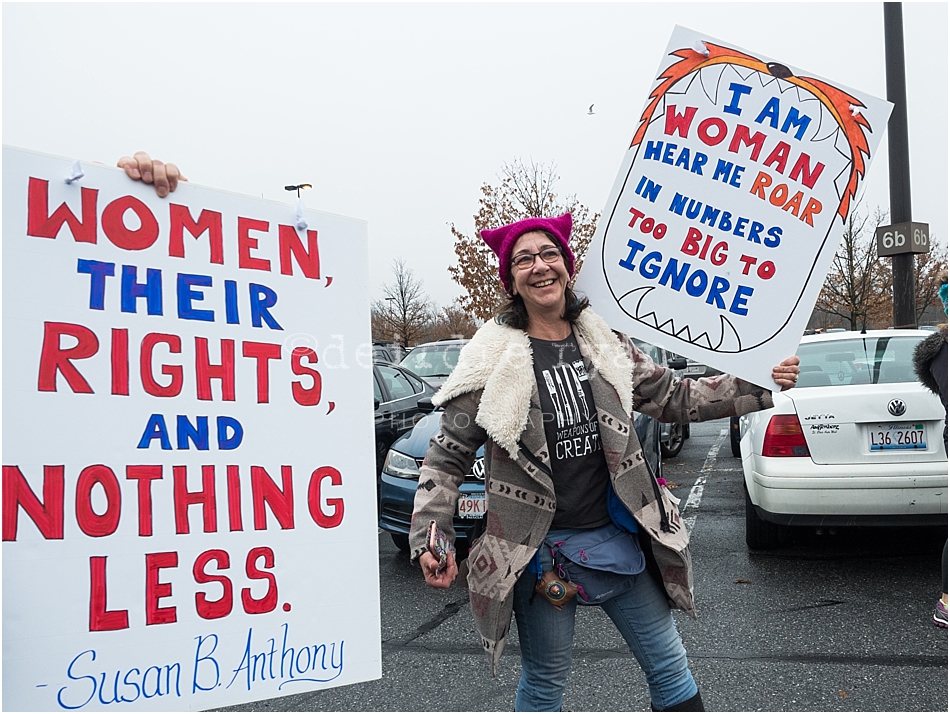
729,206
189,515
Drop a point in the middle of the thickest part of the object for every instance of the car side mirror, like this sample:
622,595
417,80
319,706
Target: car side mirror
425,404
676,363
375,404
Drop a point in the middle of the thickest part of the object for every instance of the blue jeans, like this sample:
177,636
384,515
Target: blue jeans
644,619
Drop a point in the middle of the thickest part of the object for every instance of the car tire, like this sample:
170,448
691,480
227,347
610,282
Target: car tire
759,534
401,541
734,436
672,446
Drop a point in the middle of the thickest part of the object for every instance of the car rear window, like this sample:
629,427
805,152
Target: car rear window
432,361
867,360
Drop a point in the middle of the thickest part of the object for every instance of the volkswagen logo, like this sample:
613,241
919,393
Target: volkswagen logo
478,469
896,407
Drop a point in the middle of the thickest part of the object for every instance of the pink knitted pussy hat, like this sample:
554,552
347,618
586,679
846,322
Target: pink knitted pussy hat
502,241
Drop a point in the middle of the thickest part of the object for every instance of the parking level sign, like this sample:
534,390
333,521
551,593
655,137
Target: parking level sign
900,238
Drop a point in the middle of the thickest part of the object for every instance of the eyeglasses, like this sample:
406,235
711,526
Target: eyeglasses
523,261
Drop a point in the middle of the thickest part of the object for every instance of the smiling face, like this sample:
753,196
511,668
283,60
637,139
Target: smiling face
541,285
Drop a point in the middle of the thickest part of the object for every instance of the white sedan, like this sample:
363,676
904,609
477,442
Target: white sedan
858,442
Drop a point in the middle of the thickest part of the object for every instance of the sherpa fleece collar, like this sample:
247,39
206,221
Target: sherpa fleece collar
499,361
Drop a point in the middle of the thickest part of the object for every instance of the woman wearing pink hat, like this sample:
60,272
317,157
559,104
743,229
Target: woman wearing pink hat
550,389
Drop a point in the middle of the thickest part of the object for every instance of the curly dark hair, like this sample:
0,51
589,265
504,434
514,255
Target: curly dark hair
514,313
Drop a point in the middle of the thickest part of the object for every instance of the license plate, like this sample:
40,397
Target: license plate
891,437
696,369
472,506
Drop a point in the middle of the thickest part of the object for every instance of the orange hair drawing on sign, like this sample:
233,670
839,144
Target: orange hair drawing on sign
843,107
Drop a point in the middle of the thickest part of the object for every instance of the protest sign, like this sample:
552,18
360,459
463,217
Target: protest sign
729,205
189,513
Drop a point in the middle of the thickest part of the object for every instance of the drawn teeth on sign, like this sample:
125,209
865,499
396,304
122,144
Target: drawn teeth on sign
710,80
728,339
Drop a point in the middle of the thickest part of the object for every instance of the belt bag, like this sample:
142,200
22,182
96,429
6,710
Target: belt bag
599,562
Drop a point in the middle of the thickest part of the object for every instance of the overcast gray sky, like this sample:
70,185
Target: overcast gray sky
398,113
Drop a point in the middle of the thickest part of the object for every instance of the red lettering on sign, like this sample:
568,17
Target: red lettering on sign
281,501
47,515
305,396
210,221
213,609
185,498
315,499
169,370
54,358
121,236
101,619
205,371
307,258
155,590
269,601
144,475
90,522
247,243
40,224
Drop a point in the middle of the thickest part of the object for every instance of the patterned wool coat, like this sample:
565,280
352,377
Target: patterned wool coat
491,398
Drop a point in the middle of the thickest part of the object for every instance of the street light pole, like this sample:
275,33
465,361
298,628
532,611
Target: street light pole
297,188
898,158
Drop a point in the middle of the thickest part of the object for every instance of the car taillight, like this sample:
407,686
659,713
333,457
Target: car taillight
784,437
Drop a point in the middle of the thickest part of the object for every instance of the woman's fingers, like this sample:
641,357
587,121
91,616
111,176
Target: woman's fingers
142,167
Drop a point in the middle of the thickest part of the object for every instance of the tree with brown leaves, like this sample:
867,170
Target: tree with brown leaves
857,287
452,322
524,192
930,270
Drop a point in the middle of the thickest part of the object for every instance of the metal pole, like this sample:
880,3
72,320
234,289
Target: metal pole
898,155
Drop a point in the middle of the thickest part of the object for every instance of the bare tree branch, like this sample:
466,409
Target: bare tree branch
857,286
404,313
523,192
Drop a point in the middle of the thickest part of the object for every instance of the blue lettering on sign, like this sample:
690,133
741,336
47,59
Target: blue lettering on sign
204,660
262,297
121,686
97,272
696,281
737,91
226,442
275,659
230,433
309,663
722,220
151,289
155,429
770,113
186,296
230,302
197,434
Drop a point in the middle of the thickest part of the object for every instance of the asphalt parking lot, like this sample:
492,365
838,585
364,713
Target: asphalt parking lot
830,622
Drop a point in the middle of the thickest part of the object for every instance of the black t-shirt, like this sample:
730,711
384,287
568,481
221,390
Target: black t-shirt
579,470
